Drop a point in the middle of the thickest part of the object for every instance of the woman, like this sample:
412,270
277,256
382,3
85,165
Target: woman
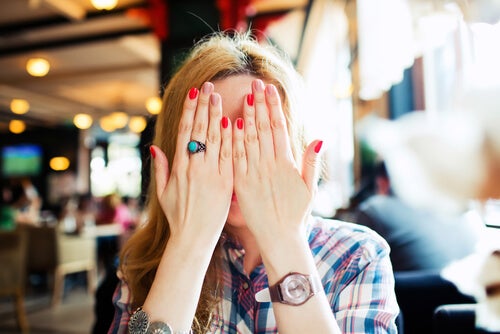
229,214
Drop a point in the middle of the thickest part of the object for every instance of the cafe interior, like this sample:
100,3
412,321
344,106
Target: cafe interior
412,83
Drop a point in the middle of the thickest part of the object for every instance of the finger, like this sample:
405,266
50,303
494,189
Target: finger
161,170
262,123
213,141
239,153
311,165
279,130
181,156
250,139
226,150
200,124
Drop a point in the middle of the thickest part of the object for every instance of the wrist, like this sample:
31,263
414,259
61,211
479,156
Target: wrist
140,324
182,244
277,260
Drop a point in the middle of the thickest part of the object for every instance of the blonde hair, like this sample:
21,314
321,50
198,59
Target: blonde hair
216,57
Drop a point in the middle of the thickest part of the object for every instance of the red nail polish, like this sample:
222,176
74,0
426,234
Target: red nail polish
193,93
250,99
152,150
239,123
225,122
317,148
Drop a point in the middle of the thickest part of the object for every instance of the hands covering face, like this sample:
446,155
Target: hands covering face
253,156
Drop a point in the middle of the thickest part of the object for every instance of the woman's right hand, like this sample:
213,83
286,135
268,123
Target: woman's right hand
195,192
195,195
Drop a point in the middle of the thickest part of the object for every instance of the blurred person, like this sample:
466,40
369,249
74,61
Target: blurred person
86,211
12,197
111,211
115,210
19,204
69,216
77,214
29,213
228,221
419,238
135,211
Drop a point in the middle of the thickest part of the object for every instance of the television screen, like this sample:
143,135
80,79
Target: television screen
21,160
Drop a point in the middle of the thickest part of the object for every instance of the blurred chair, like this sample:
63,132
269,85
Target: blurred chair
52,251
457,319
13,272
419,294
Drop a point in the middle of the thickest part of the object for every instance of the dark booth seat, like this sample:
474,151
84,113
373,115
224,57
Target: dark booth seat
419,294
457,319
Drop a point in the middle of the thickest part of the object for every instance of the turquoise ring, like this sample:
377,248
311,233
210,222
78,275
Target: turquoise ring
195,146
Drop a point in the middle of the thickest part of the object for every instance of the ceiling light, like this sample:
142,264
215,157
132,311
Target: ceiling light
120,119
19,106
59,163
104,4
38,67
107,123
17,126
137,124
153,105
82,121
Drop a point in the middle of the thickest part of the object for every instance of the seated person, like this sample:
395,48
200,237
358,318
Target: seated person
419,239
219,248
19,204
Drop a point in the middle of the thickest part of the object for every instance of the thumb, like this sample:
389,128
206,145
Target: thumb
311,165
161,171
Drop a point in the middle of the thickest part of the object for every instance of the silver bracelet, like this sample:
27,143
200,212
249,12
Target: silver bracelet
139,324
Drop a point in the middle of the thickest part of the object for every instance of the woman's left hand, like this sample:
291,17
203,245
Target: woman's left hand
273,195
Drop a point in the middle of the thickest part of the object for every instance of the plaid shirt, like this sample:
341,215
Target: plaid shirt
354,266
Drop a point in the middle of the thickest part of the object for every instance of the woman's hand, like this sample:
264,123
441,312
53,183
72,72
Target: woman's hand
195,193
273,195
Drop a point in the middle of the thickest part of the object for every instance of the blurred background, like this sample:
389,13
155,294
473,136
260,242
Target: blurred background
81,82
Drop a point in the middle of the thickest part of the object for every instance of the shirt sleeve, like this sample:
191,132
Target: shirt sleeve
364,288
121,301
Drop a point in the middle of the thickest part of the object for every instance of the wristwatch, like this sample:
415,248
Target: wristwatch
293,289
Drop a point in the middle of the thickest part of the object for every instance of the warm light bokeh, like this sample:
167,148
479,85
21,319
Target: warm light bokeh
119,119
82,121
104,4
137,124
153,105
16,126
38,67
59,163
19,106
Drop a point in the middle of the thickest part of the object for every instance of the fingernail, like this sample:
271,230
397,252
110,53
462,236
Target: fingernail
225,122
271,90
152,150
250,99
317,148
207,87
214,99
239,123
193,93
258,85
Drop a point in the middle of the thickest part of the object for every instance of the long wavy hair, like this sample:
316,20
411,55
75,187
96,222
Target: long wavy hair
215,57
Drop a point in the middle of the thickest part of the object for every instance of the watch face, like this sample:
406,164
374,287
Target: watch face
295,289
159,327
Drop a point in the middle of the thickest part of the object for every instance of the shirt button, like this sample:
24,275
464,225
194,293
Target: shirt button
245,285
